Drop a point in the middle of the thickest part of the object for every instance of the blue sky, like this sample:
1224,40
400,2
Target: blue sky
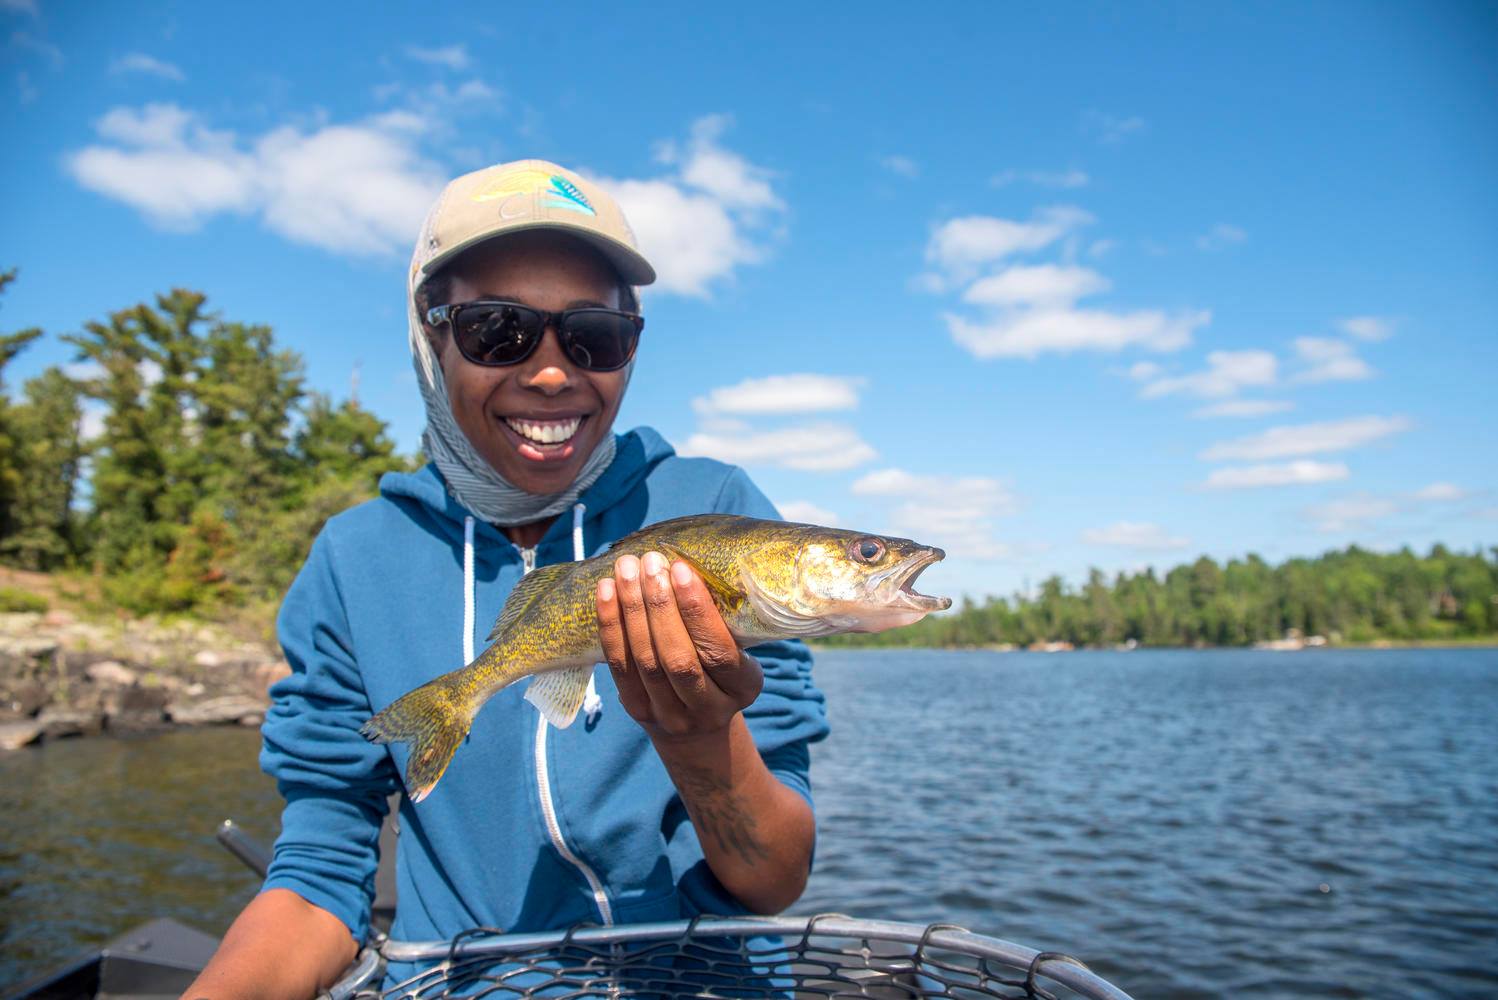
1052,286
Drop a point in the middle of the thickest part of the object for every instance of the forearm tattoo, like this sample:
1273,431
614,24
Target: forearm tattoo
721,815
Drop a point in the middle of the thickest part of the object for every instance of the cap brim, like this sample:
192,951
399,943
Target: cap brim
632,267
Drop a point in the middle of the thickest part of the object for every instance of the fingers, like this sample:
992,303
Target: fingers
674,649
643,649
616,651
733,671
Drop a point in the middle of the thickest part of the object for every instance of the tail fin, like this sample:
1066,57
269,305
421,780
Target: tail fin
434,719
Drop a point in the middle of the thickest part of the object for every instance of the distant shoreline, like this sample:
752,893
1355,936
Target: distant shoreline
1477,642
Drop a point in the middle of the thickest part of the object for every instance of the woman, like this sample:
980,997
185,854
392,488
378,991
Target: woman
686,789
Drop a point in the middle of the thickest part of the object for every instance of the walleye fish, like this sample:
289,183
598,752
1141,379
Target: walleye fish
769,579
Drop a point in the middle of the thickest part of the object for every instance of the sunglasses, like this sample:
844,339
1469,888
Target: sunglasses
494,333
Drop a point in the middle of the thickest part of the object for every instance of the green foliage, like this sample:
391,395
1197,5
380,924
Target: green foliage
11,474
1357,595
13,599
212,471
44,533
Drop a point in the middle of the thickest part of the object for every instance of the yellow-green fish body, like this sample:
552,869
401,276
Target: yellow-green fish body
769,580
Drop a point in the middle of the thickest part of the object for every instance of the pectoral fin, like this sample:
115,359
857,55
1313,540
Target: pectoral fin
559,693
724,593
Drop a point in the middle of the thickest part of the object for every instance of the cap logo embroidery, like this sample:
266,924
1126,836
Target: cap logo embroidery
565,194
560,192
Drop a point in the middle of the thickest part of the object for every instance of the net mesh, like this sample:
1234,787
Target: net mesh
827,956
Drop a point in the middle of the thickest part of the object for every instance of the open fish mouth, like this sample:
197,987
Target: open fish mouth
908,571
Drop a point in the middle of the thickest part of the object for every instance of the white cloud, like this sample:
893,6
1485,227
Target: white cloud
1040,284
1244,408
1350,513
139,62
1134,535
1357,511
1328,360
697,225
723,174
796,393
435,100
355,189
1028,310
953,511
1043,178
454,57
1027,334
43,48
1298,473
811,447
1226,373
904,166
1220,237
958,247
19,6
349,189
92,423
1100,248
1308,439
806,512
1442,493
1367,327
1110,129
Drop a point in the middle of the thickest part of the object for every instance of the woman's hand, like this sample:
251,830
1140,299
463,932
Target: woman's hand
685,681
680,674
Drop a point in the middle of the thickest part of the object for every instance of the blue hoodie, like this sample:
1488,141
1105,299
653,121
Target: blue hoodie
532,827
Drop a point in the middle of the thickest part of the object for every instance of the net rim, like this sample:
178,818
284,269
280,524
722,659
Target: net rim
1060,969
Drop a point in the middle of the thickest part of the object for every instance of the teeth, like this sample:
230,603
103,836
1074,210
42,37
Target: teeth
544,431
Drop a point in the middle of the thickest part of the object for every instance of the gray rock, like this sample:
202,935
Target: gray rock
214,711
39,647
24,697
112,673
15,735
145,721
60,723
140,699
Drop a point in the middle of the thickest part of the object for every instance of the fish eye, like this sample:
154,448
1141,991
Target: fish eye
866,549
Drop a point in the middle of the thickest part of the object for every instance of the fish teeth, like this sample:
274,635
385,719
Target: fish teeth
544,431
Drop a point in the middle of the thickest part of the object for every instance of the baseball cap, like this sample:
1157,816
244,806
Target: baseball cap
527,194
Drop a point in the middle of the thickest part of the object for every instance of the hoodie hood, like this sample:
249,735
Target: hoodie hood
636,453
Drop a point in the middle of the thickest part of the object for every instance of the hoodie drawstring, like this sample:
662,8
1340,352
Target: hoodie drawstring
468,589
592,703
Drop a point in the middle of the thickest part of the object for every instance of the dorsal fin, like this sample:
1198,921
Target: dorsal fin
724,593
530,588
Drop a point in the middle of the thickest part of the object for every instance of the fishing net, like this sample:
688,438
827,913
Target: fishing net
754,957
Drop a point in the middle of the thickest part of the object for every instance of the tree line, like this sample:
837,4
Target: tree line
182,461
180,458
1354,595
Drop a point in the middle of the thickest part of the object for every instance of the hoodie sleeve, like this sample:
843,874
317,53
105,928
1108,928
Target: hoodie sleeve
335,783
789,713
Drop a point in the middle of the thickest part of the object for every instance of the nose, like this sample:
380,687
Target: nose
548,371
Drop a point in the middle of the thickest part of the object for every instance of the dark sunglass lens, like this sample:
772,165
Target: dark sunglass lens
496,334
601,339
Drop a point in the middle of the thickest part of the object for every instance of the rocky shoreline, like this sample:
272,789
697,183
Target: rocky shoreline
61,677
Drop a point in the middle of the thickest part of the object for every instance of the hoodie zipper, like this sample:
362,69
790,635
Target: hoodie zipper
548,808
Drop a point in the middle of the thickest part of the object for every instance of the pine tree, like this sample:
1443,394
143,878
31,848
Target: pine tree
47,428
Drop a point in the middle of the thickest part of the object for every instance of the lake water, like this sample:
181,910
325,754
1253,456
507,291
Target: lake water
1190,824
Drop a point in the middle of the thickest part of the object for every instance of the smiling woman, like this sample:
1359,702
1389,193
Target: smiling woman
537,421
686,792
